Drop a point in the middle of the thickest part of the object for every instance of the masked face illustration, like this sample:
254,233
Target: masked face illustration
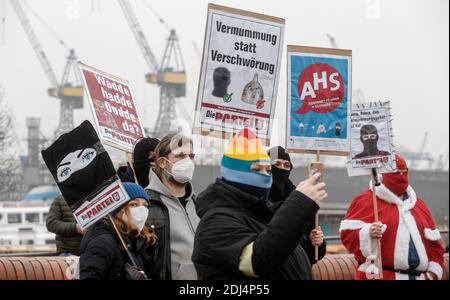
79,163
369,139
75,161
222,79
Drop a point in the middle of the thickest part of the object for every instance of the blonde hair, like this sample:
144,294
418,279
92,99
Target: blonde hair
127,229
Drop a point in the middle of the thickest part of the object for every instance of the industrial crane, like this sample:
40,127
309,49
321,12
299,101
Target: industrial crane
71,95
170,75
420,155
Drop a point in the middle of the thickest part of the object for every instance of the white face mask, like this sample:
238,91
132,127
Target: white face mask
182,170
138,217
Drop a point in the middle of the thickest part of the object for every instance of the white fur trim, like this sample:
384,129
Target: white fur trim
386,195
365,242
352,225
432,234
407,228
436,269
399,276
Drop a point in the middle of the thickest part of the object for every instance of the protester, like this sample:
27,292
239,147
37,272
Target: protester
281,188
61,221
142,161
102,253
238,236
173,206
410,241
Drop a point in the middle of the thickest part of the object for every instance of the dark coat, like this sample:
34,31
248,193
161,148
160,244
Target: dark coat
61,221
102,257
232,219
275,204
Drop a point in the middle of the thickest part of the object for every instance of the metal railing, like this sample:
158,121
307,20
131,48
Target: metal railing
338,237
34,254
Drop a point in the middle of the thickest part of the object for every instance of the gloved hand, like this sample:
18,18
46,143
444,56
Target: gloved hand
133,273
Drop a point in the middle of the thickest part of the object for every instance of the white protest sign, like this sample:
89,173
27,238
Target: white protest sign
371,139
113,106
240,72
109,199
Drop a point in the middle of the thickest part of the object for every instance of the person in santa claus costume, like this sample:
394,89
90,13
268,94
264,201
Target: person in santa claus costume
410,241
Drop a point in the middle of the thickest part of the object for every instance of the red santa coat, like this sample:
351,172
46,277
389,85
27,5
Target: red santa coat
402,219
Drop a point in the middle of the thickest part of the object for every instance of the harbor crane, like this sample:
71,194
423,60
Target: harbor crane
70,94
169,75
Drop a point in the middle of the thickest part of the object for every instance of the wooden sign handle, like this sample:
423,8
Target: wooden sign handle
375,210
317,224
123,242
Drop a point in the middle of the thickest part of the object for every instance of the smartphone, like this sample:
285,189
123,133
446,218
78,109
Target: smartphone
314,168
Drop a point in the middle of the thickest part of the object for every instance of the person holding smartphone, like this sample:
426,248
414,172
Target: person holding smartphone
238,236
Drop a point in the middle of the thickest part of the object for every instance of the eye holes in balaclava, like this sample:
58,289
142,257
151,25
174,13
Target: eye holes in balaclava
75,161
222,79
369,139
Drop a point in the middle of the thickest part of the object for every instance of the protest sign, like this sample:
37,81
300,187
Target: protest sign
319,100
82,170
240,72
371,139
109,198
114,108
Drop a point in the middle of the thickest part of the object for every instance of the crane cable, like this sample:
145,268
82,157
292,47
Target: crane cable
155,13
55,35
4,23
180,106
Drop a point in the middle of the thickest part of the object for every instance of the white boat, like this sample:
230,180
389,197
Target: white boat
23,223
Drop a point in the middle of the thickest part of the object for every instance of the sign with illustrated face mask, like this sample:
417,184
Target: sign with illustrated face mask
371,139
240,72
319,100
114,108
85,174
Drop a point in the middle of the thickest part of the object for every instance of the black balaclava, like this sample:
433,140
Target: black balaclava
141,159
338,129
79,163
281,186
222,79
370,146
126,173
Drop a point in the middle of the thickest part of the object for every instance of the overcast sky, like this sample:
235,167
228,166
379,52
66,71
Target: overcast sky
400,53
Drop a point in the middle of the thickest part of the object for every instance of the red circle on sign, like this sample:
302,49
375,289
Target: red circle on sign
321,88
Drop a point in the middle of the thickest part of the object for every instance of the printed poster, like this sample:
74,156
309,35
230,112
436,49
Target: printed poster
319,100
240,72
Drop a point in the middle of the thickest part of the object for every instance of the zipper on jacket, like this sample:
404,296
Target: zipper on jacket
186,214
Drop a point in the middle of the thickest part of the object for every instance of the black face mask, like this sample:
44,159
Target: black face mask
222,79
370,147
281,185
79,163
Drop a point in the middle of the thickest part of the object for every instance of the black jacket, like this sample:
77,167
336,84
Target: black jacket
232,219
102,257
158,219
275,204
